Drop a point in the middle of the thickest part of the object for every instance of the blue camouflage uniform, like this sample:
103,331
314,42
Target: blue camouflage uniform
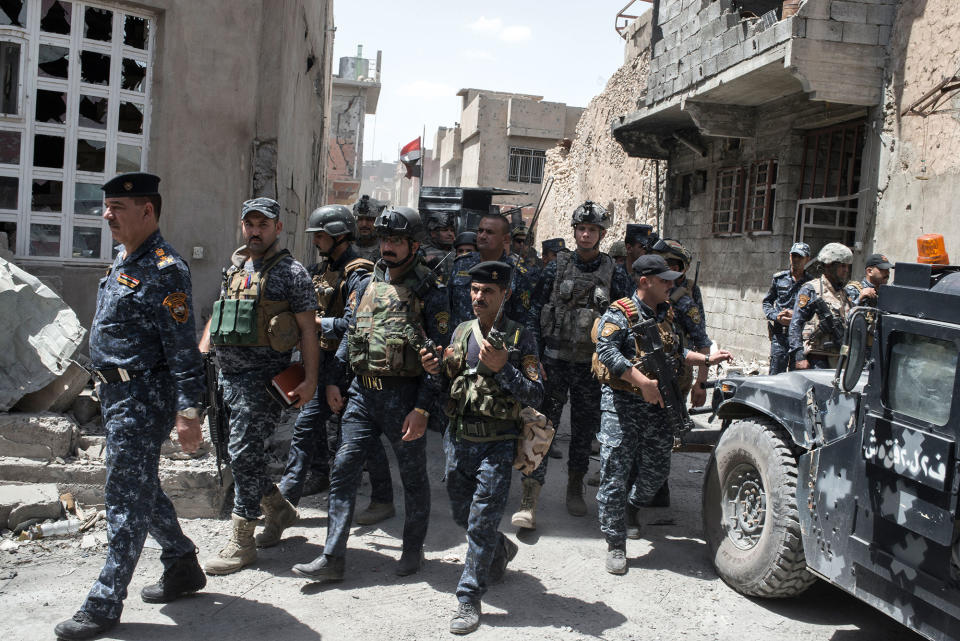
245,374
803,313
522,284
144,324
379,405
854,290
636,441
479,472
782,295
689,315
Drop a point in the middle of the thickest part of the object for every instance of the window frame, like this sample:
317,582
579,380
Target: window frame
529,163
732,227
760,198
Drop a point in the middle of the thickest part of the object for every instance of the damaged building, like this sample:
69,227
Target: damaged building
356,91
793,121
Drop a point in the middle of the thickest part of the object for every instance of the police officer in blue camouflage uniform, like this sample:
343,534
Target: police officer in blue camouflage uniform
395,311
778,306
465,243
877,273
442,226
366,211
267,305
551,247
488,387
149,377
634,432
573,291
637,240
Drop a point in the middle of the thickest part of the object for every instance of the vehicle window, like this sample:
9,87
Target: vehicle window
921,377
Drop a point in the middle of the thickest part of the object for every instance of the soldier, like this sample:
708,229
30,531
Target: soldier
267,304
465,243
551,248
521,253
618,252
877,274
572,293
811,344
366,211
149,376
488,388
637,240
393,313
634,431
442,236
778,306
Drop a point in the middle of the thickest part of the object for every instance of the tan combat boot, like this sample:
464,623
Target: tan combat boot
278,515
575,504
240,550
526,516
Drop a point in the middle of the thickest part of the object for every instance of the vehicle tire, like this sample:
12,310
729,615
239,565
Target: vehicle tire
750,518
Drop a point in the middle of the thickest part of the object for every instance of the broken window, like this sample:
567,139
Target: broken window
87,199
10,229
128,158
136,31
9,192
98,24
761,196
46,195
10,147
54,62
526,165
831,161
44,239
86,242
13,13
48,151
91,155
9,78
131,118
134,74
93,112
727,200
94,67
55,16
51,106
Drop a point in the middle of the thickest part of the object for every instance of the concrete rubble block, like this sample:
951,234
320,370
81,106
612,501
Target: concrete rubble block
41,436
19,502
85,407
58,395
848,11
92,448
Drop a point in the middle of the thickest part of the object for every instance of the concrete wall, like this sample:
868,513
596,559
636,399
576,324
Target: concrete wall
347,114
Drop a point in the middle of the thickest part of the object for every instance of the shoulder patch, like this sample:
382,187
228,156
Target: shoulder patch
802,300
531,369
443,322
176,304
607,329
694,314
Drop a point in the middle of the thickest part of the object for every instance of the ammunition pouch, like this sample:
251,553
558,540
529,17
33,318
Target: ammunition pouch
384,338
534,442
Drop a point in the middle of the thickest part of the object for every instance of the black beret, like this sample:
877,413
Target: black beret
637,232
553,245
494,272
131,185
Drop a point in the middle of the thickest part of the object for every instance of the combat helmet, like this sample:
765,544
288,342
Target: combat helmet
591,212
618,250
335,220
835,253
672,249
399,221
366,207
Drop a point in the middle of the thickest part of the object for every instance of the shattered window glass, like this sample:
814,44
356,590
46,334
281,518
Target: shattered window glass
51,106
48,151
54,62
44,240
131,118
91,155
55,16
921,377
10,147
46,195
9,190
134,74
93,112
128,158
9,78
13,13
10,228
94,67
86,242
87,199
136,32
98,24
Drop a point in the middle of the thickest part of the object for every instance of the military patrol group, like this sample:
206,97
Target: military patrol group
396,334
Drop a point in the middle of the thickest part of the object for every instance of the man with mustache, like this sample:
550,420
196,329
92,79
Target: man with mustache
366,211
394,312
267,304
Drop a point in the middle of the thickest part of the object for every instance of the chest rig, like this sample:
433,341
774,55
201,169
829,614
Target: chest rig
244,317
813,338
479,409
577,299
331,289
388,325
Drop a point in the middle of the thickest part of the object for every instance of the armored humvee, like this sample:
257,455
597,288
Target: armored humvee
851,476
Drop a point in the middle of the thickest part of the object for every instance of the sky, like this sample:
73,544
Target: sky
564,50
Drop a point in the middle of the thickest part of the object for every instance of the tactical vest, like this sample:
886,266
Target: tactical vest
479,409
577,300
672,347
388,330
813,338
244,318
685,380
331,288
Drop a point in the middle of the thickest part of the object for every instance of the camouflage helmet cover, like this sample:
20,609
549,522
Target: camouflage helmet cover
618,250
835,253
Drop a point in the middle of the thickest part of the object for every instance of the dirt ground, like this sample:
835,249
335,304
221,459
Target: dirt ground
555,589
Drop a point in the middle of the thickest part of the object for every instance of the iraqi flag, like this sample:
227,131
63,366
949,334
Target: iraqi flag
410,157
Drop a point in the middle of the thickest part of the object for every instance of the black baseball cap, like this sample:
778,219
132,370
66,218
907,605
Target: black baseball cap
654,265
879,261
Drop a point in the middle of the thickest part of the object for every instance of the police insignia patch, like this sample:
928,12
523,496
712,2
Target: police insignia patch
608,328
166,261
443,322
176,303
531,368
129,281
802,300
525,299
694,314
127,186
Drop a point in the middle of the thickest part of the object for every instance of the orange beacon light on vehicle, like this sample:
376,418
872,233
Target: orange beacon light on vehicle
931,250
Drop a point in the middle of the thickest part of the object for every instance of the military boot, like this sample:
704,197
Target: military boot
240,551
375,513
467,618
632,518
278,514
575,503
410,562
83,625
526,516
184,577
324,568
506,550
616,559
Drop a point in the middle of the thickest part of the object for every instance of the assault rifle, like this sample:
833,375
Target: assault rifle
831,326
420,289
217,418
656,360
